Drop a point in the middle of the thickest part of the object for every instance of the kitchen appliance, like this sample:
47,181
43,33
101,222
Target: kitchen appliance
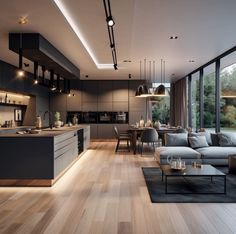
121,117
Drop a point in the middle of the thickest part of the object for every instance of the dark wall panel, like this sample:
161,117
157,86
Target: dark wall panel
10,82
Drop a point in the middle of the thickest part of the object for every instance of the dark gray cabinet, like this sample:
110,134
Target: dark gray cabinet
90,91
58,102
105,131
105,91
74,101
120,91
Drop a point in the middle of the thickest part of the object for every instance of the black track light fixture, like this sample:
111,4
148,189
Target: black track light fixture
110,23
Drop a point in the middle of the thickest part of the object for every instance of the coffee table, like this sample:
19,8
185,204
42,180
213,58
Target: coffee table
190,171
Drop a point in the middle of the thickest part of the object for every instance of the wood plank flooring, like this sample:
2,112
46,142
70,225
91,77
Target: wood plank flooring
105,192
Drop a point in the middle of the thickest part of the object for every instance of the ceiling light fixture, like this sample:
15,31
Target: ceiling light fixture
78,33
43,74
174,37
23,20
142,90
110,24
160,90
58,84
20,71
35,72
110,21
51,84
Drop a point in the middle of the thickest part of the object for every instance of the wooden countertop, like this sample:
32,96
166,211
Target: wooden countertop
16,127
46,132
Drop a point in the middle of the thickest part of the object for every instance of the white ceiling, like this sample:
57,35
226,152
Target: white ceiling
205,29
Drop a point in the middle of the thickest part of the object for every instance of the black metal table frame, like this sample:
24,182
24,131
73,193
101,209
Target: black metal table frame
166,176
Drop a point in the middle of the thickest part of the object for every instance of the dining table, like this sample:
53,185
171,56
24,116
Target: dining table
136,132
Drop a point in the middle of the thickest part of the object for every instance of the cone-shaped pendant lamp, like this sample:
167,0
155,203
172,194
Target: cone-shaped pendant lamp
160,90
142,90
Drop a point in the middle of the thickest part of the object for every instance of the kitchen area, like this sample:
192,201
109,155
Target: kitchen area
47,120
34,149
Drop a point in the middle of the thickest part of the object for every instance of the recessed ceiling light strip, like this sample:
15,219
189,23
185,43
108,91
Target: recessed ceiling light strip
73,25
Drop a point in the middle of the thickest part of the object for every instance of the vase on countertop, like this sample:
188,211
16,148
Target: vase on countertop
157,124
141,122
38,122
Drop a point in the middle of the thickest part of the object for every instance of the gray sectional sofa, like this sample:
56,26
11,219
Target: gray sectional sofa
209,148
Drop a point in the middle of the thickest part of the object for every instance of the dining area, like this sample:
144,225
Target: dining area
139,134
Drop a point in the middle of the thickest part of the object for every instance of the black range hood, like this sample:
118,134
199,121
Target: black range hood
36,48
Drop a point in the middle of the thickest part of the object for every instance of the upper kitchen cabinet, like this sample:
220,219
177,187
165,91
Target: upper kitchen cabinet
58,102
90,91
120,91
74,102
105,91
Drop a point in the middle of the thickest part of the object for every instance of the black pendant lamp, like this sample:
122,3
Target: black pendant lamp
142,90
160,90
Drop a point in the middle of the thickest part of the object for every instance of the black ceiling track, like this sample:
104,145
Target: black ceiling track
37,49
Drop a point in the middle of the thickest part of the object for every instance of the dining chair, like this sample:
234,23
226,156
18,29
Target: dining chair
149,135
122,136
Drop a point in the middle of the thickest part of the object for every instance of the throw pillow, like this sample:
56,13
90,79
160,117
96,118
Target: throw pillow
198,142
214,139
206,134
176,139
227,139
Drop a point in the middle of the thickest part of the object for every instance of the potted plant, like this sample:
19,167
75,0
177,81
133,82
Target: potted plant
57,118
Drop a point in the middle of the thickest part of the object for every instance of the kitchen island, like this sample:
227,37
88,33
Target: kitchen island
40,159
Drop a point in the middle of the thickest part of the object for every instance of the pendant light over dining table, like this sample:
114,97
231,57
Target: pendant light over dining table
160,90
142,90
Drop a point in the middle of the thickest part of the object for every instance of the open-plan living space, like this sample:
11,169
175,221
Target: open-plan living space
117,116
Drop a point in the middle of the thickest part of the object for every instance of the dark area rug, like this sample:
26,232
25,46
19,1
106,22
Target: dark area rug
156,188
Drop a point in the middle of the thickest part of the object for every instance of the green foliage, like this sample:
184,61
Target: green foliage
57,116
161,109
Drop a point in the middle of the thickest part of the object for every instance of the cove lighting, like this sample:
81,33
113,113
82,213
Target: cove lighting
75,28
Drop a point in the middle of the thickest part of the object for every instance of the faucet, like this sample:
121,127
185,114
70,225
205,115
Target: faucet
49,117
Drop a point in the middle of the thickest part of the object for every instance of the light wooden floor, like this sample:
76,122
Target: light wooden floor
105,192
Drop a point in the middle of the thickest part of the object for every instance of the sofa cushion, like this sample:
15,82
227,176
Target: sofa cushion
216,152
198,142
176,139
227,139
207,134
176,152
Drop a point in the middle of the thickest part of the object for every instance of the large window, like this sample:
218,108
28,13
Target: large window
161,106
209,85
212,97
195,101
228,93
